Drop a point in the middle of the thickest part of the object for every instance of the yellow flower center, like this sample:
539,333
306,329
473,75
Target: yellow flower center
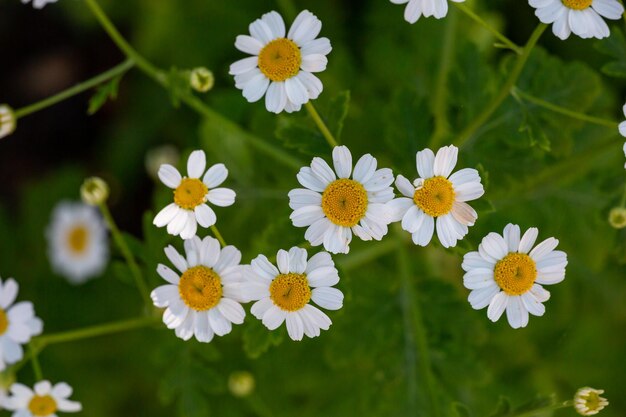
577,4
200,288
77,239
515,273
290,292
436,196
4,322
42,405
344,202
280,59
190,193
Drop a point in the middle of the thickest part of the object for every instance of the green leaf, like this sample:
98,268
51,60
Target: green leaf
297,132
107,91
257,339
615,47
539,402
461,410
178,84
503,408
336,113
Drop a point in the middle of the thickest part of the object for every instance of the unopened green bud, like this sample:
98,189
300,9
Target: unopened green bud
241,383
7,120
201,79
94,191
617,217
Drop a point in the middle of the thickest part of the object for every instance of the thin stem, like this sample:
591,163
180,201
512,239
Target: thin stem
218,235
126,252
542,410
418,331
77,89
505,41
321,125
504,92
35,361
440,96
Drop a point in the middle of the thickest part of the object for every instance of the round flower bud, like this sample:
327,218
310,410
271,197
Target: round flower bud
155,157
7,120
587,401
94,191
617,217
241,383
201,79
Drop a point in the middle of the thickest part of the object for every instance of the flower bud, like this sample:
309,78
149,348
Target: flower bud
588,402
7,120
617,217
201,79
94,191
241,383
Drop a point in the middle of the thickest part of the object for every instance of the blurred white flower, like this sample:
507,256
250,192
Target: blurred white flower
241,383
205,299
155,157
587,401
281,66
335,206
38,4
7,121
284,293
581,17
622,131
418,8
45,401
191,194
18,324
506,274
437,198
78,246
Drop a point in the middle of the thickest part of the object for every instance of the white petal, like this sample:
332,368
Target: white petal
413,11
445,161
316,46
342,160
274,317
425,233
533,305
243,65
297,260
177,224
319,260
512,236
222,197
328,298
543,249
314,63
364,168
190,227
248,44
202,329
296,91
482,297
528,240
261,31
464,213
264,267
516,313
305,28
229,256
8,292
276,97
323,276
301,197
316,232
309,180
306,216
205,215
161,296
497,306
166,215
259,308
218,322
255,88
405,187
176,259
311,83
493,247
474,260
464,176
215,176
611,9
398,208
469,191
196,164
425,161
276,24
295,327
231,310
169,176
167,274
477,278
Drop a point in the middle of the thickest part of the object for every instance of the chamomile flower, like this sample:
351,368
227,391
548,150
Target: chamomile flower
437,198
44,401
418,8
588,402
284,293
335,206
38,4
204,300
78,246
7,121
191,194
281,67
18,324
507,274
581,17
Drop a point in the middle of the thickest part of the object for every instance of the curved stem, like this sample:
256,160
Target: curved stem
321,125
562,110
504,92
218,235
77,89
505,41
126,252
35,362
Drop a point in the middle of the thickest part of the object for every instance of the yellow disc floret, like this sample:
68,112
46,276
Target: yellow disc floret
344,202
290,292
280,59
435,197
77,239
200,288
190,193
577,4
42,405
4,322
515,273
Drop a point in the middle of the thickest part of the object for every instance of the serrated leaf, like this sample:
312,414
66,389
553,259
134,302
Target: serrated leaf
336,113
257,338
105,92
298,133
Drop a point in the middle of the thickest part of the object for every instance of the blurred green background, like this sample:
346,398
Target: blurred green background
540,169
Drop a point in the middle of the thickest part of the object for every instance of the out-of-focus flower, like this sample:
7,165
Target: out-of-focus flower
38,4
7,120
201,79
44,401
241,383
418,8
155,157
587,401
617,217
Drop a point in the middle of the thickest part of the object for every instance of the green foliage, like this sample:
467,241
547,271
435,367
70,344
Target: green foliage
615,47
257,339
104,93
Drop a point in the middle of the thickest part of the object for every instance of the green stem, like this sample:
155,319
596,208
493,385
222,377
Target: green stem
127,254
504,92
561,110
530,413
321,125
35,361
417,330
218,235
440,96
77,89
505,41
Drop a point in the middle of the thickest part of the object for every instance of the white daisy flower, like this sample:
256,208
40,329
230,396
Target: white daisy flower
78,246
38,4
437,195
506,274
587,401
335,206
45,401
204,300
582,17
622,130
281,66
7,121
18,324
418,8
191,194
284,293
